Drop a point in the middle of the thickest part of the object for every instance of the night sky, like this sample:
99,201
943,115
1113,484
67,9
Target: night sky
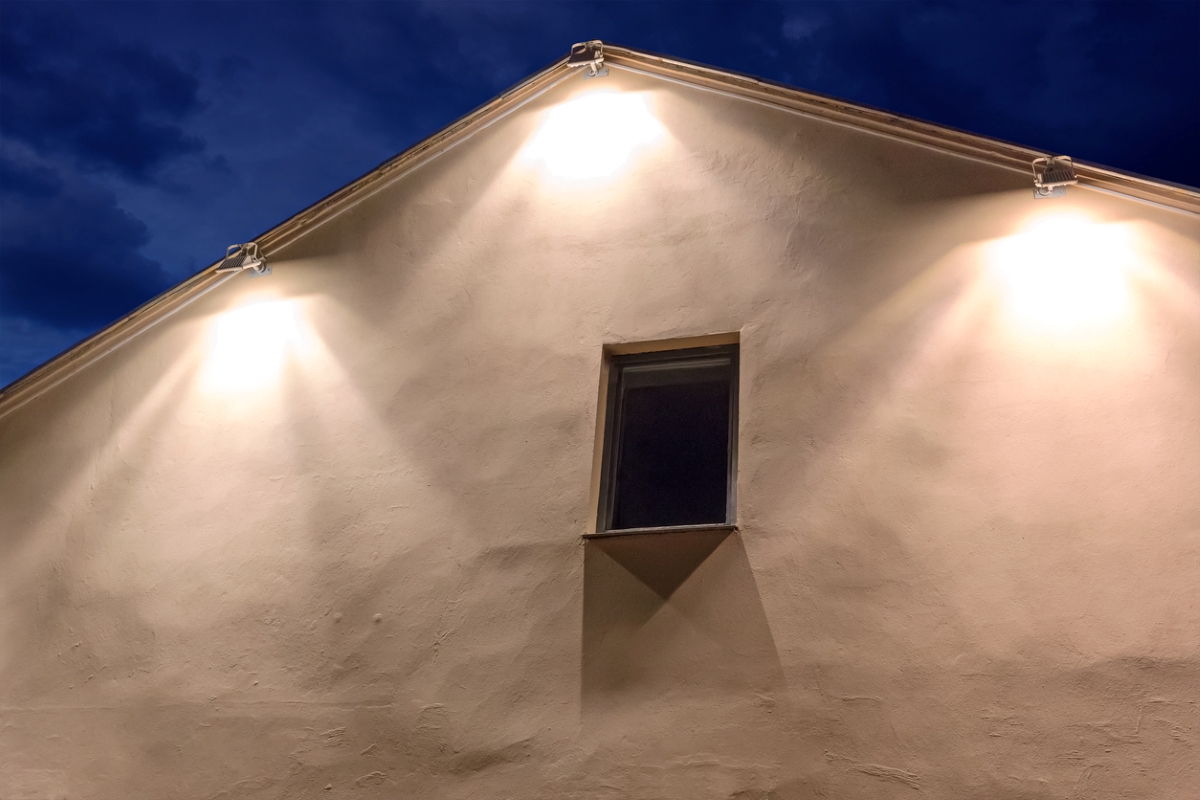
137,140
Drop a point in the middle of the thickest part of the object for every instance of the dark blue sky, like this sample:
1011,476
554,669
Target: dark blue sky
138,139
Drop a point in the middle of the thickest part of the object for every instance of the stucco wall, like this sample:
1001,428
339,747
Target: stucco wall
969,549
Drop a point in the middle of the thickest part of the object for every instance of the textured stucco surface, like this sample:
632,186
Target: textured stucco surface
968,562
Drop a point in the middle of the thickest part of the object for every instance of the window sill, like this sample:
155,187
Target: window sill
715,526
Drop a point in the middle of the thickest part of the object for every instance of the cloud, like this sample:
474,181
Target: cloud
105,106
799,27
1103,82
408,70
28,344
69,256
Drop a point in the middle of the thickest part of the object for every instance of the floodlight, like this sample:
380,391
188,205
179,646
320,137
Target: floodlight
239,257
1052,176
590,55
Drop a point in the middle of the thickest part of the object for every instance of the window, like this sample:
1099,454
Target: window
670,440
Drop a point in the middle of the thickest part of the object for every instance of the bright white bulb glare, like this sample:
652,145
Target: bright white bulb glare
1065,273
593,136
251,343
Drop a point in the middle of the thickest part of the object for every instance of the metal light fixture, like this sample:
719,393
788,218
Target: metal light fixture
1052,176
590,55
240,257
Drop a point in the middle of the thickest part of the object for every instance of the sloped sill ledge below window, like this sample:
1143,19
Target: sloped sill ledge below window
718,526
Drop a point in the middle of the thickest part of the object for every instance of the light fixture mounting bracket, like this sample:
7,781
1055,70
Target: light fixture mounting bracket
589,55
1052,175
241,257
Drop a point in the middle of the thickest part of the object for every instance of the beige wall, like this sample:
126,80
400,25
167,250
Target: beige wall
969,548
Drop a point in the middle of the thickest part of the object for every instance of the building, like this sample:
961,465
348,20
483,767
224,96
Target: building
330,532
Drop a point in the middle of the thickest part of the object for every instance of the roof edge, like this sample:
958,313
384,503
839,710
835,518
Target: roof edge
48,375
917,131
855,115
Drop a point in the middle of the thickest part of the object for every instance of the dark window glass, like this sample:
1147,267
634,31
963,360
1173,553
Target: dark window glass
669,441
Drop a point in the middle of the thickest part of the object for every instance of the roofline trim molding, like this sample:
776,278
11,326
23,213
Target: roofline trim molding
996,152
50,374
856,116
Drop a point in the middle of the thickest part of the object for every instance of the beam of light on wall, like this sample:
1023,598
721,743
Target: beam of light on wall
1065,273
593,136
250,345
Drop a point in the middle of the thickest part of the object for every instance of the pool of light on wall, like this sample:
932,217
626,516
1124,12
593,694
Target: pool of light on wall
1065,272
250,344
593,136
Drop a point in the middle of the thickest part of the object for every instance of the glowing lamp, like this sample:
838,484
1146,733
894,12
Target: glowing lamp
1065,273
241,257
251,343
1052,176
593,136
589,55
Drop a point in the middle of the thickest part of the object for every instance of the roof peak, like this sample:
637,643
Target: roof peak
591,57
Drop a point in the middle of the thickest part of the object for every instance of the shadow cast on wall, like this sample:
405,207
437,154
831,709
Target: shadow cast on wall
669,615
